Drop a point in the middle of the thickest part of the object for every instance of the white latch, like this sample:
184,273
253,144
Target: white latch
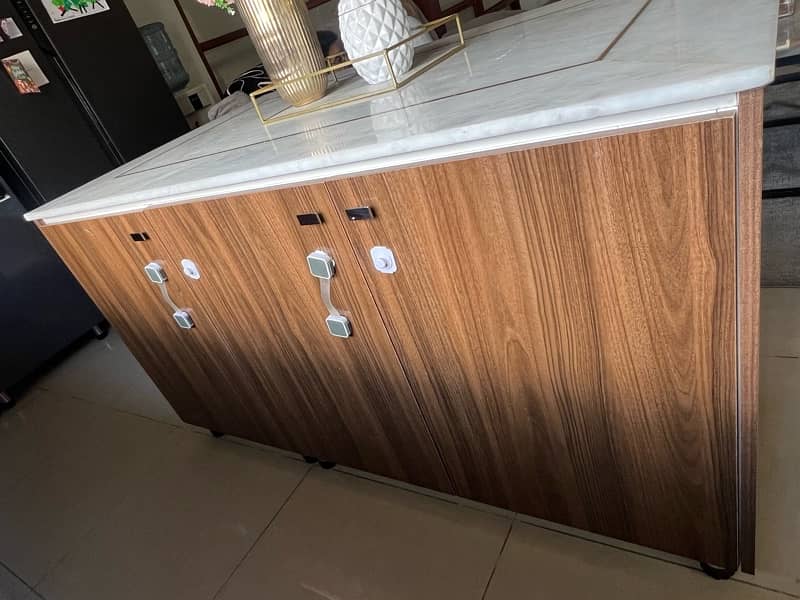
190,269
383,259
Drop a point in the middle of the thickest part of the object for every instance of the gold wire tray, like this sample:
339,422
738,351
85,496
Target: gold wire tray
395,82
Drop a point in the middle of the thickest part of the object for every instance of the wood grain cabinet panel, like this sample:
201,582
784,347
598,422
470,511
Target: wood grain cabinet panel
188,366
344,400
566,316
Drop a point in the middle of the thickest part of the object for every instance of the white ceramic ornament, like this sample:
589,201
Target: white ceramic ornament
368,26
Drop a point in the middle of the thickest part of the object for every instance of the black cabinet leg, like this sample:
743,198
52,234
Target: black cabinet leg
327,465
216,434
310,459
719,573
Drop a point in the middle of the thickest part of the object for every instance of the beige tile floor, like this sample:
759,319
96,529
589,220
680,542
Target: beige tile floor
97,502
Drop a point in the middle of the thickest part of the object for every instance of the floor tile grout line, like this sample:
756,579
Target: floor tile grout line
577,536
103,405
402,488
455,502
124,412
175,426
261,535
434,495
650,556
91,530
762,587
21,580
263,448
499,556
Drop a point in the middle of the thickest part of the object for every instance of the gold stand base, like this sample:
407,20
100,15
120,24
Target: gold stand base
395,81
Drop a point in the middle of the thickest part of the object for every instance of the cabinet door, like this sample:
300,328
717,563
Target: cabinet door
347,400
192,368
566,316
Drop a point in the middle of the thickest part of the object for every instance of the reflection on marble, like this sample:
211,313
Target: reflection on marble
521,80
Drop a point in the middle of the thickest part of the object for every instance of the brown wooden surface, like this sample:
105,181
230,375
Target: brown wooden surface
566,316
183,363
344,400
749,146
222,40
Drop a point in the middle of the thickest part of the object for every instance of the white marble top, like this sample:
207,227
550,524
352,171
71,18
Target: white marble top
569,68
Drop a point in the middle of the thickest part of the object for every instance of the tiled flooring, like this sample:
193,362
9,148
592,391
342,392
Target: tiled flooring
97,502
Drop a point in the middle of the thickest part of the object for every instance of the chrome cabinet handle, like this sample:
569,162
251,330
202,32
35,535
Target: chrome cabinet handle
5,197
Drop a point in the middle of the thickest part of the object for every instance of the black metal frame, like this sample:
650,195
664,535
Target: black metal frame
783,122
787,61
791,192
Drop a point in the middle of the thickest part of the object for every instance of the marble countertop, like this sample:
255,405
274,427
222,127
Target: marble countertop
571,68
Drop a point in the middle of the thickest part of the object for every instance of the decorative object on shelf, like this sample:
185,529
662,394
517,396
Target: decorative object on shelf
286,43
370,26
427,59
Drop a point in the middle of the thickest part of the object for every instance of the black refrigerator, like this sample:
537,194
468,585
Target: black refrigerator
106,103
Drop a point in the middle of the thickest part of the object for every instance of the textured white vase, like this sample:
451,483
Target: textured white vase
368,26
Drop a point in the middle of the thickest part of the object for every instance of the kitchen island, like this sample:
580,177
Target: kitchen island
534,272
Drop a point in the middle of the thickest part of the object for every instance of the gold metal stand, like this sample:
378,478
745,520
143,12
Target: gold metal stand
395,82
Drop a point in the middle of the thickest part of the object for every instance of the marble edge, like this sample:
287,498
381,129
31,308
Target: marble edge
657,101
240,183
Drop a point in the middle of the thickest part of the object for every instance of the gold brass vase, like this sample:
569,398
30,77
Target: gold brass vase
282,34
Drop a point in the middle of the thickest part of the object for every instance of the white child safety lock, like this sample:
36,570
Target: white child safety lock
190,269
383,259
323,268
156,274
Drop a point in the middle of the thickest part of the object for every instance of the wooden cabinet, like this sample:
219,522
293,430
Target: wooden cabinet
566,317
184,364
560,337
283,379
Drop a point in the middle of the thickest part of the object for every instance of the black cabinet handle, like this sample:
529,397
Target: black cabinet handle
361,213
310,219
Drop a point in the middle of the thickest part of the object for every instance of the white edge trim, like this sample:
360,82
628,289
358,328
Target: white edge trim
666,115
